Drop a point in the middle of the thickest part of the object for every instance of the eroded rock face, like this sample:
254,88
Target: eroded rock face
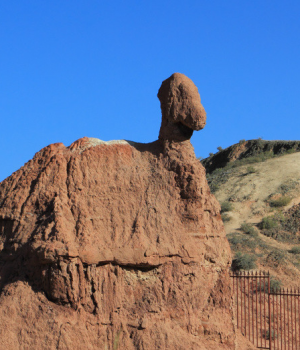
116,245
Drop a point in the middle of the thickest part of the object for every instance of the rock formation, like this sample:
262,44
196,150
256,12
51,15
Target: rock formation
116,245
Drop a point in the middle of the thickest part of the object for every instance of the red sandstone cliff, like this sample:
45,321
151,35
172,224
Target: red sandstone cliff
116,245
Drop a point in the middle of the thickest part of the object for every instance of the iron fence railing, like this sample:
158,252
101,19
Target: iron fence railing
269,318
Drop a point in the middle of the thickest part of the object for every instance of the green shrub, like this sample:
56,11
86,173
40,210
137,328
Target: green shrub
276,257
280,202
290,151
268,222
243,262
251,170
226,206
225,217
295,250
239,241
219,148
248,229
214,187
211,154
287,186
274,284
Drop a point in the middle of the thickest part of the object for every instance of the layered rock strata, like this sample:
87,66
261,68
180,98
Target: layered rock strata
116,245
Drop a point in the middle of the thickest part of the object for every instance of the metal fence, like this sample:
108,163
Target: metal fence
269,318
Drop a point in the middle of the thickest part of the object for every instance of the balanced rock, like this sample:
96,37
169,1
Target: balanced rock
116,245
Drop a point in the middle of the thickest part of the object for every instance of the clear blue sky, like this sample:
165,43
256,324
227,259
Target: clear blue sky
70,69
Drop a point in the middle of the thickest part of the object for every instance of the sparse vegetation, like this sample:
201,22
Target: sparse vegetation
280,202
276,257
287,186
250,198
251,170
217,178
226,206
295,250
248,229
221,175
273,226
275,284
269,222
261,151
219,148
243,262
238,241
225,217
214,187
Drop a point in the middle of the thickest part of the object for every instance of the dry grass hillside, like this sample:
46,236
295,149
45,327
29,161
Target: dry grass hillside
260,199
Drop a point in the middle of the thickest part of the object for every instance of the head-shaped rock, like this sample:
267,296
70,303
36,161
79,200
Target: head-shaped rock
182,111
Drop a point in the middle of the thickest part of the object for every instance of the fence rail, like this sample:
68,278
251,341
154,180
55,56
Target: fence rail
269,318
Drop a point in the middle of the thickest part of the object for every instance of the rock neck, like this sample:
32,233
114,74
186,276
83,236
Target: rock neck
176,132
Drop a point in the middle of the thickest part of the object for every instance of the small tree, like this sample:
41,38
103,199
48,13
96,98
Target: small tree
219,148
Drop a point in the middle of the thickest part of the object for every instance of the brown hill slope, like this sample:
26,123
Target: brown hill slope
260,202
249,151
